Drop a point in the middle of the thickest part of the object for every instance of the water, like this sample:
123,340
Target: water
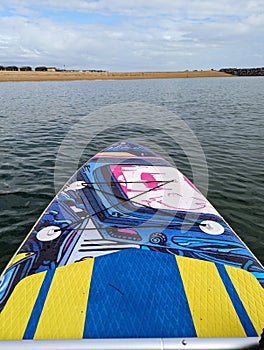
225,114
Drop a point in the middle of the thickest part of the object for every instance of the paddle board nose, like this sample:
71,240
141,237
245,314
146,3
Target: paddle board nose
130,248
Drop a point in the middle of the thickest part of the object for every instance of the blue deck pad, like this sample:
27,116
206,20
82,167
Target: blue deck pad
137,293
38,307
239,307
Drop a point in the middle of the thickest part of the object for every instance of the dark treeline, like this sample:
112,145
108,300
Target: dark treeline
244,71
26,68
15,68
42,69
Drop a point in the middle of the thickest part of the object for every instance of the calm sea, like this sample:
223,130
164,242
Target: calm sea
225,115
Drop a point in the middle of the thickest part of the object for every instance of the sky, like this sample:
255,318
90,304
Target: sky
144,35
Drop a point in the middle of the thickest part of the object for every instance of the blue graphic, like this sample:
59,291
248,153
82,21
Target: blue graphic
93,216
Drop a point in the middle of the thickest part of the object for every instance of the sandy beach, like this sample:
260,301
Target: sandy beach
13,76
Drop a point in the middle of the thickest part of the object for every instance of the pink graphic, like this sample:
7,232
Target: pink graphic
159,188
150,181
130,232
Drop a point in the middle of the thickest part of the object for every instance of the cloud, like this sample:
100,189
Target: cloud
139,8
156,35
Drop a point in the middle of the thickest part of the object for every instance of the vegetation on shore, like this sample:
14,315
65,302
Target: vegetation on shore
244,71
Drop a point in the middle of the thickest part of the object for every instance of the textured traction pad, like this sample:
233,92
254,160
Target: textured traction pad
135,293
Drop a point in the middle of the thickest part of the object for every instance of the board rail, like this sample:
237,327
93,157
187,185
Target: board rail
249,343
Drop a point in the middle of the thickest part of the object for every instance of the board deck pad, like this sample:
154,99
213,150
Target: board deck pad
129,248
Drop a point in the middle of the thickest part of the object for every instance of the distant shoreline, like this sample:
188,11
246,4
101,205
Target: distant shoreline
14,76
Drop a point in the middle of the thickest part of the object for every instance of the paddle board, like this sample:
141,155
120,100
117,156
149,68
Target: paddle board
130,254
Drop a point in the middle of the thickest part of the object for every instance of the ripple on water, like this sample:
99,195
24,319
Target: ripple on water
226,115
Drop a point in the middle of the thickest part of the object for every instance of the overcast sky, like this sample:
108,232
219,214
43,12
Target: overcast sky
120,35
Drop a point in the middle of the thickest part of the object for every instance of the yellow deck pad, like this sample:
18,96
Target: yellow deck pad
251,294
15,316
64,311
211,307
